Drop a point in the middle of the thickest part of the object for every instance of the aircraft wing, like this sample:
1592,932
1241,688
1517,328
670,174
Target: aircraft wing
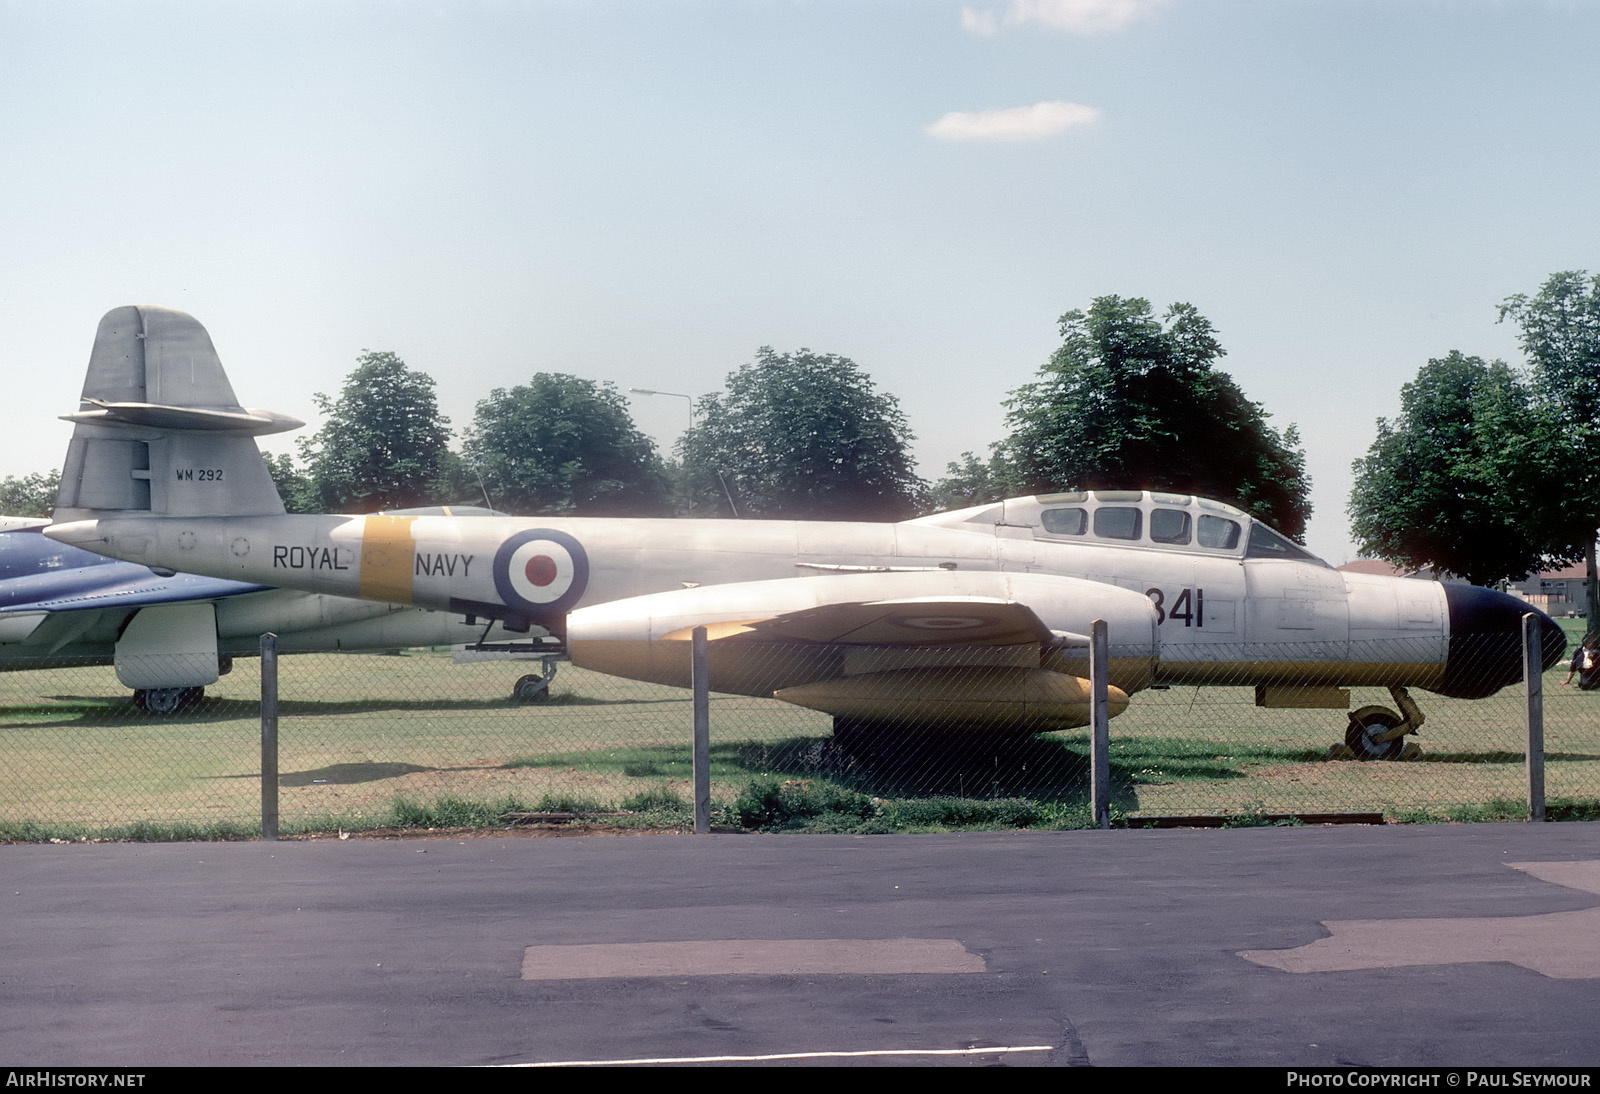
128,594
958,648
40,575
96,589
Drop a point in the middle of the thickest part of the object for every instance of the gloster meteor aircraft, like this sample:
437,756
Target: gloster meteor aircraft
168,634
972,619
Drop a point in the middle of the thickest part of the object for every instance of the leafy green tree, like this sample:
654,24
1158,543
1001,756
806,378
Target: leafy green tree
971,481
1129,402
561,444
384,443
29,496
805,436
1560,334
294,485
458,482
1459,481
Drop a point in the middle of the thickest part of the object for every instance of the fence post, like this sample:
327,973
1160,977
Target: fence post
1533,709
1099,719
702,732
269,736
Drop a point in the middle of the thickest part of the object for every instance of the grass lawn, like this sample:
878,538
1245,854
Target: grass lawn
359,731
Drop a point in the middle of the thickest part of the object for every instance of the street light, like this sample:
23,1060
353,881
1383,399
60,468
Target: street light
673,394
690,400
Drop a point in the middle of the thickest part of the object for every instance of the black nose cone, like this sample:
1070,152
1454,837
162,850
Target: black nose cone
1486,641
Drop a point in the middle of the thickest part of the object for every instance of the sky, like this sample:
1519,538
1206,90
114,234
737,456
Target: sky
646,192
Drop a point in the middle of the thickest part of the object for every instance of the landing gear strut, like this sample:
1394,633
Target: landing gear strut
1378,733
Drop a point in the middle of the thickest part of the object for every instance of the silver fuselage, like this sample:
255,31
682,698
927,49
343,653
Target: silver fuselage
1220,616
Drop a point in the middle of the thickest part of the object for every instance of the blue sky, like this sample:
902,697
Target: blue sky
647,192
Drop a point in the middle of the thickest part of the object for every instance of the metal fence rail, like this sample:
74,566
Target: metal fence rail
361,732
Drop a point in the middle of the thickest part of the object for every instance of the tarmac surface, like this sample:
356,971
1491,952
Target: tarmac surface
1422,946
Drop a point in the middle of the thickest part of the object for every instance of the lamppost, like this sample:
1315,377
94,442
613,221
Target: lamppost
673,394
690,400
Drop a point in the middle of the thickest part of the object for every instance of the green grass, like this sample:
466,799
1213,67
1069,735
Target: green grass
806,806
414,740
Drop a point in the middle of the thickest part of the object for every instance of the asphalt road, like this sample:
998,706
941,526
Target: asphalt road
1317,946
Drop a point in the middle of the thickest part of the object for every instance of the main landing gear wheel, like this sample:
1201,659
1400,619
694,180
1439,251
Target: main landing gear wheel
535,687
531,688
1367,726
167,700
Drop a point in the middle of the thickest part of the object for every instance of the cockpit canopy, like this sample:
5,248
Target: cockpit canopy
1137,518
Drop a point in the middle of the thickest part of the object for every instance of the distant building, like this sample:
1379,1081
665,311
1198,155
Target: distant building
1555,592
1558,592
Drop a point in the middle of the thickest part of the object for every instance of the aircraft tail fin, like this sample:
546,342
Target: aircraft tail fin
159,431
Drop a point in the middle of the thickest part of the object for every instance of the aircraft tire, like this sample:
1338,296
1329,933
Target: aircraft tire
167,700
531,688
1369,723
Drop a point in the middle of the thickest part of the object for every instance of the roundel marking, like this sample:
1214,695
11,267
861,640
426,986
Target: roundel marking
541,571
944,622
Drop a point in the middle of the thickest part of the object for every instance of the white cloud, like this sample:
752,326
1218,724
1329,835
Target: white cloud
1071,16
981,23
1018,123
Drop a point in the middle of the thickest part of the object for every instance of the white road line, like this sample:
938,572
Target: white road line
819,1055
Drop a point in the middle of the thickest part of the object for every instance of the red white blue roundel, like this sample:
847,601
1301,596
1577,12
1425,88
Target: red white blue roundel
541,572
944,622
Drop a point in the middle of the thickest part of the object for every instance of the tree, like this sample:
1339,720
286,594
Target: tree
1127,403
384,442
1561,338
802,435
29,496
971,481
560,444
1458,482
294,485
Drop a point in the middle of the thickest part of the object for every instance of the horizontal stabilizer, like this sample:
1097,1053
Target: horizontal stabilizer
188,419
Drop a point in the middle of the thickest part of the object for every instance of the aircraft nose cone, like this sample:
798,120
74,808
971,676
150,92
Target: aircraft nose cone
1486,641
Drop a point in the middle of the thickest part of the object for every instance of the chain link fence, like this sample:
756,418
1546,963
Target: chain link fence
415,738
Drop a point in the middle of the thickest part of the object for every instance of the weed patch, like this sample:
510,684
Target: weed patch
799,805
